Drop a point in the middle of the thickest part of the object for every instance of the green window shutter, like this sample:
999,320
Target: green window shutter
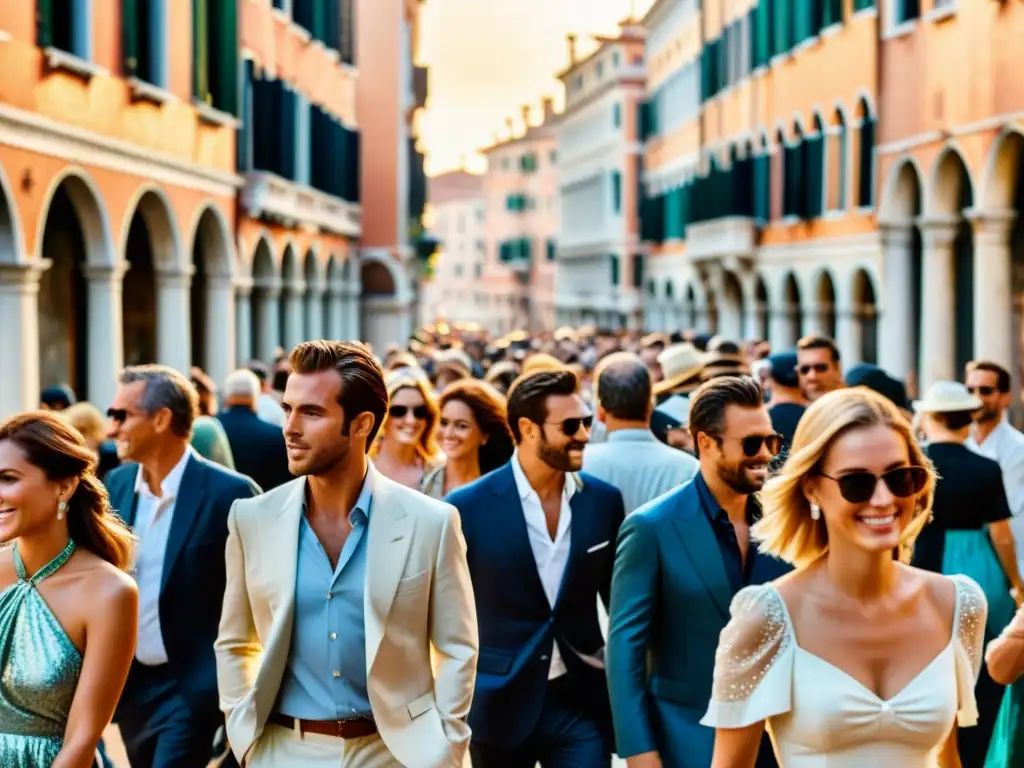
615,269
225,63
762,188
616,191
782,14
616,115
130,37
867,163
685,201
638,270
200,51
44,23
813,176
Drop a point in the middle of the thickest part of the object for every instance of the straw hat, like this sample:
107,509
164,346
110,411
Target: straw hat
947,397
679,363
724,364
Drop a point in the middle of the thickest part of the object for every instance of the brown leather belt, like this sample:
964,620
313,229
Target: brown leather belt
343,729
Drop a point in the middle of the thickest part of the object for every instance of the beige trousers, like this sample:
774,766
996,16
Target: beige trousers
280,747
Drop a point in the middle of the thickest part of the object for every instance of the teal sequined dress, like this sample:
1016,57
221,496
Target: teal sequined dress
39,669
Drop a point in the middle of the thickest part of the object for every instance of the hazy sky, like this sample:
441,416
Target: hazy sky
489,57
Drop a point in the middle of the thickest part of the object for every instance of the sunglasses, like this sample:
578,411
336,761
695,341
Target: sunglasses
803,370
859,487
571,426
983,391
117,414
419,412
752,444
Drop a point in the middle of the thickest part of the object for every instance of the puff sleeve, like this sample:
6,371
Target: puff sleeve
969,646
753,663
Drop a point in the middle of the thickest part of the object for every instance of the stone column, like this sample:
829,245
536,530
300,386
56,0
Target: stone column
106,330
938,310
849,335
173,338
993,286
897,345
336,306
19,340
353,329
243,321
267,311
220,344
780,329
293,315
314,310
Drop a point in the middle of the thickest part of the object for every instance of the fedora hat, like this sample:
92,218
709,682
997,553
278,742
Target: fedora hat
947,397
679,363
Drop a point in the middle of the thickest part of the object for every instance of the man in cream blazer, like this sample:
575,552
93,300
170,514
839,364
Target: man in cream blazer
416,596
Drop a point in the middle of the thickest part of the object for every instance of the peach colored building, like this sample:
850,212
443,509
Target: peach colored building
299,216
454,290
391,90
759,170
117,193
600,262
950,157
521,193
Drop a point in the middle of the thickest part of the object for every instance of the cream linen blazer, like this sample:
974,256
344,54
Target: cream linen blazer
418,596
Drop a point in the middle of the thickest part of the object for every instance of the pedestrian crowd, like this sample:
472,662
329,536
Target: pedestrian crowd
405,557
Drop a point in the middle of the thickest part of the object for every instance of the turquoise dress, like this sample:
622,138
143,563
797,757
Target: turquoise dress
39,669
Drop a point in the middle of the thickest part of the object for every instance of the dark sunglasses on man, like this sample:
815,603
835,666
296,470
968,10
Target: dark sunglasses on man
571,426
859,487
806,368
752,443
983,391
419,412
117,414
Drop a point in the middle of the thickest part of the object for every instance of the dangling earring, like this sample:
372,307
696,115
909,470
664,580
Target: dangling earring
60,509
815,512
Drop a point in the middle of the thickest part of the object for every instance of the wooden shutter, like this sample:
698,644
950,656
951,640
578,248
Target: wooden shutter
200,52
224,80
130,38
866,158
44,23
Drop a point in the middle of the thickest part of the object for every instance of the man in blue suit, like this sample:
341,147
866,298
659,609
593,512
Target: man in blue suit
540,543
679,562
178,504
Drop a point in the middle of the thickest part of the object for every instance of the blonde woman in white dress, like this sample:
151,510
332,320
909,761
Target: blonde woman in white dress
854,659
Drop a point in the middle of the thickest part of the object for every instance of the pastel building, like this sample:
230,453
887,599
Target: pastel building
522,220
760,175
392,88
951,189
299,213
117,191
454,291
600,261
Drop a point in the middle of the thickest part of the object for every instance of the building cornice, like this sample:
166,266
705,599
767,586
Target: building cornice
266,195
32,132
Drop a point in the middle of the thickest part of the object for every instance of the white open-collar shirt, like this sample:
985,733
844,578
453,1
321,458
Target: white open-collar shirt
551,557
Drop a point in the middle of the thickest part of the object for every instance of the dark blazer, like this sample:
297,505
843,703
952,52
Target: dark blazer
670,602
258,447
518,627
192,588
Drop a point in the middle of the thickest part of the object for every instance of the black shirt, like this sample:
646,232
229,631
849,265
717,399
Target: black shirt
785,417
736,569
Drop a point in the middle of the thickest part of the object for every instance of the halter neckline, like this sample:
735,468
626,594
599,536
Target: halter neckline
47,570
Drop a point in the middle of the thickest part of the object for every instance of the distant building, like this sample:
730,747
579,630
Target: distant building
454,292
600,261
522,213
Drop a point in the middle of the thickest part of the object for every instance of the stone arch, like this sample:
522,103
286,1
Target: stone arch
762,306
211,232
732,309
1001,174
151,203
864,301
74,239
292,301
93,218
690,305
950,186
211,299
903,192
825,301
792,297
12,240
865,102
377,279
266,291
315,276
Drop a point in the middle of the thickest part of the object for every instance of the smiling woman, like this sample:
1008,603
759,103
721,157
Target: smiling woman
406,447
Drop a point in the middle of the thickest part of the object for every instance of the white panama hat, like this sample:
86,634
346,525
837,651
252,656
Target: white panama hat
947,397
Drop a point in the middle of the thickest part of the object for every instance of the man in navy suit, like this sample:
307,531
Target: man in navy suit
178,503
680,561
540,538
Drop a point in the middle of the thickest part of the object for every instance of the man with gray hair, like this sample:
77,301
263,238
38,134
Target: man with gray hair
258,447
177,503
632,458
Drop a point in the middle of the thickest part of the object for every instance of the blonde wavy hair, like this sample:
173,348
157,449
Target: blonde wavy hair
413,378
786,529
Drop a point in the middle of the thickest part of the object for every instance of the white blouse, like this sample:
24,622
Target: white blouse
820,716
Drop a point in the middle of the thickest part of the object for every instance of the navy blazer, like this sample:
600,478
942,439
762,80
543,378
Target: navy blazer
670,602
192,586
518,627
258,447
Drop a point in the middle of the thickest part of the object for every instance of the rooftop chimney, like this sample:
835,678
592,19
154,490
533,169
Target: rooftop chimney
549,108
572,49
510,123
526,117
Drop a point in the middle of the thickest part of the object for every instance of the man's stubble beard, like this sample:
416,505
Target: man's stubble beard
736,479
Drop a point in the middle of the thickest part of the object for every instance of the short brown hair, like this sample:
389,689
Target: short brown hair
362,380
1002,375
708,403
488,407
528,398
819,342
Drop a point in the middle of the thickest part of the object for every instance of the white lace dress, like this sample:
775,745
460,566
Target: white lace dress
818,716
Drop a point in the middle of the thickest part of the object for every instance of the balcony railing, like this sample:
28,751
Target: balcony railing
268,196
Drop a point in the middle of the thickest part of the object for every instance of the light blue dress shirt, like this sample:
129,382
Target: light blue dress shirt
325,678
639,465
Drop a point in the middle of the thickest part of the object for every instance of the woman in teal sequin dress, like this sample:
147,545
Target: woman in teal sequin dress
68,610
